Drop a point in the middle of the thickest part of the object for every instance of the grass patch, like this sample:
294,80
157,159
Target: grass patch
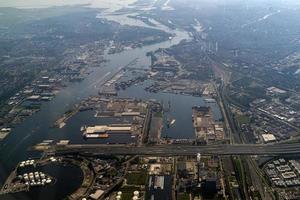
158,114
184,196
127,192
239,170
127,196
136,178
242,119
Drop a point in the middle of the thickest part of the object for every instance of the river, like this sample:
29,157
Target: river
37,127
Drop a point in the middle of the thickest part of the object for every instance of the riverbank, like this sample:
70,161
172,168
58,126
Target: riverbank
37,127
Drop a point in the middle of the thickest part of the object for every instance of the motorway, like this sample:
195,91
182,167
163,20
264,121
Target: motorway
180,150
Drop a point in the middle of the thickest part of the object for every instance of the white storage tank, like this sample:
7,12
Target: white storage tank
136,193
135,198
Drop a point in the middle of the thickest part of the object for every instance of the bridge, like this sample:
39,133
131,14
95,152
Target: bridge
180,150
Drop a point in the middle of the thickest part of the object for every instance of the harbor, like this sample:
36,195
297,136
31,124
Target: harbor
57,120
105,131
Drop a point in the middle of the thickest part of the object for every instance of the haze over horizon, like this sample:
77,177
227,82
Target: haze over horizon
149,99
122,3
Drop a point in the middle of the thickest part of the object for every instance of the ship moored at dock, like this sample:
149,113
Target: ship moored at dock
103,131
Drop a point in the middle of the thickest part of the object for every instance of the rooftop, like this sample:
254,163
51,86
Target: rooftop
268,137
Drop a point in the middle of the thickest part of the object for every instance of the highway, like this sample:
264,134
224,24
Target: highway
180,150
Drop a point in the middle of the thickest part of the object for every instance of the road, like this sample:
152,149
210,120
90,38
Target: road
180,150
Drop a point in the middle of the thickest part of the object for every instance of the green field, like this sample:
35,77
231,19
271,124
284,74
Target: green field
158,114
136,178
184,196
127,192
242,119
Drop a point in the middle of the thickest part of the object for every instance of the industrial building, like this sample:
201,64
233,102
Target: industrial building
267,138
104,130
97,194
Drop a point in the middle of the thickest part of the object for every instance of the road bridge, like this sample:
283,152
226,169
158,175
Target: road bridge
180,150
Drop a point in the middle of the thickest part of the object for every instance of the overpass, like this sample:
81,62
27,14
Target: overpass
180,150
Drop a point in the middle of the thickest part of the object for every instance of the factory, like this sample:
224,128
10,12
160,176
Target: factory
267,138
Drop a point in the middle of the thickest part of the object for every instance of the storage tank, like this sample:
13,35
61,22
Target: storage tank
136,193
135,198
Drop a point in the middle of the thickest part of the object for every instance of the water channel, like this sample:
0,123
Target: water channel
37,127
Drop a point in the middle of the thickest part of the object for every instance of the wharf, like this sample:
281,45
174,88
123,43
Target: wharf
3,135
4,132
61,122
8,186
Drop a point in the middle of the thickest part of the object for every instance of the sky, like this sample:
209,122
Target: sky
112,3
49,3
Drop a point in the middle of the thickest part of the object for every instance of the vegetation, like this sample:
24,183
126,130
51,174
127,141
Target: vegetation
136,178
183,196
127,192
256,195
158,114
242,119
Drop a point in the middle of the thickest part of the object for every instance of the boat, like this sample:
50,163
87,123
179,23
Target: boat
209,100
89,136
170,122
173,121
105,135
83,128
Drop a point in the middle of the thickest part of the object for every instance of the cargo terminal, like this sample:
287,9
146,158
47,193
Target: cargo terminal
126,117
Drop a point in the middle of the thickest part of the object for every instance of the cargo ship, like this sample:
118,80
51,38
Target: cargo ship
208,100
103,131
90,136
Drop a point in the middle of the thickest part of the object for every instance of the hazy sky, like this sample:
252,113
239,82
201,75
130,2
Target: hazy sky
49,3
115,3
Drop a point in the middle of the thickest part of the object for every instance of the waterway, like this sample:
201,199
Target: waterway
180,110
37,127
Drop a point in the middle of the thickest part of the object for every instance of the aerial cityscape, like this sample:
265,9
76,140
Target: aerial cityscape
150,100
